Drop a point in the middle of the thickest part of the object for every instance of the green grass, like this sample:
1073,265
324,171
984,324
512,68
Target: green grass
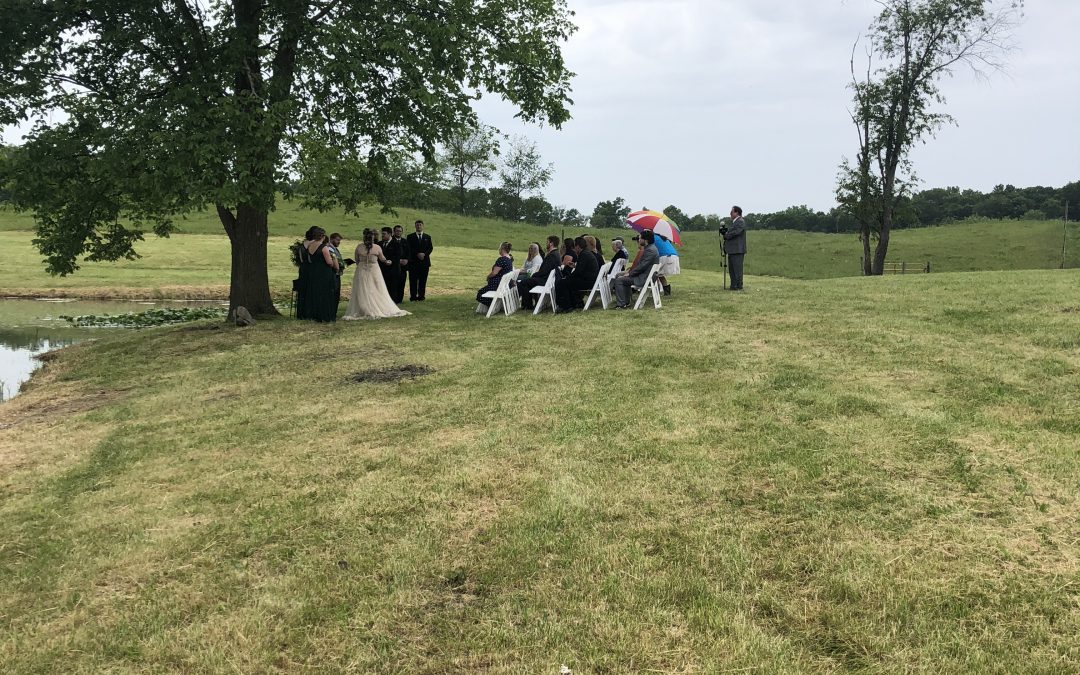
854,474
196,262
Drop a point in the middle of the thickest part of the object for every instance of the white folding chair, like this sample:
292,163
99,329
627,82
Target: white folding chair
598,285
499,295
608,286
545,291
512,301
652,285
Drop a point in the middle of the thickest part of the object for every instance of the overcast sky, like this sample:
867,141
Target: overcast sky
708,103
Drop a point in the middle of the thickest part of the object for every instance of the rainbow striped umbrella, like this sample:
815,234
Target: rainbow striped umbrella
655,221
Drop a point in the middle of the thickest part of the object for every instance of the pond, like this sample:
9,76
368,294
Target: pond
32,327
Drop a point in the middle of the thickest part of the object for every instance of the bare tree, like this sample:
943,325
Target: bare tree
912,43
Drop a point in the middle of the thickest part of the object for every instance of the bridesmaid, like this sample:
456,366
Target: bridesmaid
318,269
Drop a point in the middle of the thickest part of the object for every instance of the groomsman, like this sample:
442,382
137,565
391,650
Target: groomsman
420,246
389,269
400,259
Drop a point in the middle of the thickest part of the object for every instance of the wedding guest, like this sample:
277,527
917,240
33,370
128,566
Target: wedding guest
593,247
569,256
503,264
634,279
619,249
569,289
669,261
533,261
539,277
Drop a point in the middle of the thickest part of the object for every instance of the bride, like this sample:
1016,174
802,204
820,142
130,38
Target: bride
369,298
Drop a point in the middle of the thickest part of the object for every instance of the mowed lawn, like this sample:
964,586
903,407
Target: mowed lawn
195,262
851,474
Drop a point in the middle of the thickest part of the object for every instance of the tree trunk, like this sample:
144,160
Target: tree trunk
882,249
864,237
250,284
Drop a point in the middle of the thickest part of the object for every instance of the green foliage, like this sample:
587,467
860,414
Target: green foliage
521,175
169,109
160,316
468,157
610,214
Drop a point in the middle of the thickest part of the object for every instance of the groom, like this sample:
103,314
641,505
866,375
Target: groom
419,244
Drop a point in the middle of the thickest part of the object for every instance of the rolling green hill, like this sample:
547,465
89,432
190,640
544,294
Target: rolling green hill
201,262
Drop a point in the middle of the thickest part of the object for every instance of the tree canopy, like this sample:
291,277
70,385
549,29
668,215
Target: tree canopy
178,105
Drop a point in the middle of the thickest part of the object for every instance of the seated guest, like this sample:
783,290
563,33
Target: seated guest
634,278
533,261
569,255
539,277
503,264
593,247
619,248
669,262
569,289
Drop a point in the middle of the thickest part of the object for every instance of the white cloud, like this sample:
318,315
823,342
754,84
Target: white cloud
703,103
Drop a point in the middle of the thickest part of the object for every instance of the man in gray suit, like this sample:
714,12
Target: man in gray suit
635,277
735,246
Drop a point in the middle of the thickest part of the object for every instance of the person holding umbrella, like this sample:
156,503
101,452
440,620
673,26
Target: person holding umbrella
735,246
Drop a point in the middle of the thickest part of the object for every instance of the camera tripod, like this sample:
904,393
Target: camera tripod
723,258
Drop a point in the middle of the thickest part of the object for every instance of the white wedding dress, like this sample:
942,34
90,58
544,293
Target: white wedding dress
369,298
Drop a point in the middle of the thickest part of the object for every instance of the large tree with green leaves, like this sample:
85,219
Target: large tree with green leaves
910,46
468,158
522,174
144,110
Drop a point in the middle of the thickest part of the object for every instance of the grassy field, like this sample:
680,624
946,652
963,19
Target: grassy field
854,474
196,262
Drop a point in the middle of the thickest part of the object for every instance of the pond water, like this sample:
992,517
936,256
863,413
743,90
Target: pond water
32,327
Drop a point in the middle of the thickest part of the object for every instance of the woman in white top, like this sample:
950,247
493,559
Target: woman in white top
369,298
533,261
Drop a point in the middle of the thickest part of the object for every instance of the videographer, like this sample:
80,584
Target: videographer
735,246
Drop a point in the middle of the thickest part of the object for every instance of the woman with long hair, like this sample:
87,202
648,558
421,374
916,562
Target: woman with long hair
318,270
369,298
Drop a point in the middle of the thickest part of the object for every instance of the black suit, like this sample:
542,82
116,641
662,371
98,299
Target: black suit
418,269
395,252
568,291
389,272
539,278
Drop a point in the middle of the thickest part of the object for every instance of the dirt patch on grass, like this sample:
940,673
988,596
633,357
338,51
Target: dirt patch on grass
30,407
408,371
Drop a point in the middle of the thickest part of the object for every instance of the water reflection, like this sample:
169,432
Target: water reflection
32,327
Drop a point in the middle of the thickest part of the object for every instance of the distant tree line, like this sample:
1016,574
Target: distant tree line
453,183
